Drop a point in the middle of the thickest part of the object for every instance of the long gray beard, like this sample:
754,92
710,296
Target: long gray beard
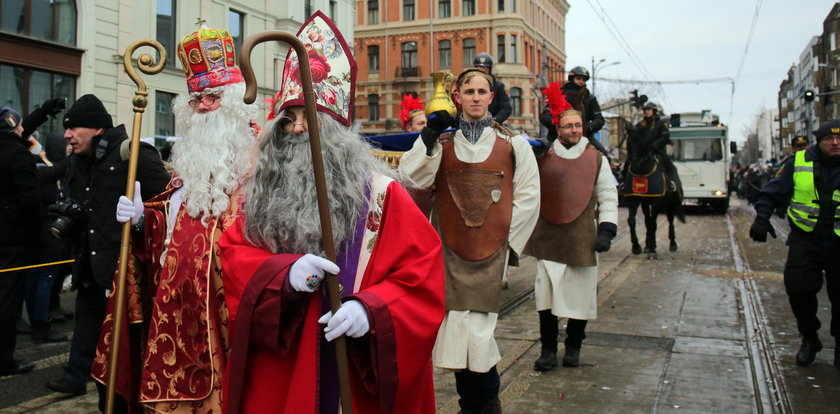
215,152
281,207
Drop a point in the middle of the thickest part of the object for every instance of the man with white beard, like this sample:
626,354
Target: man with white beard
281,360
178,308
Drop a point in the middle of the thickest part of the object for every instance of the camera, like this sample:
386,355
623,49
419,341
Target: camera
68,213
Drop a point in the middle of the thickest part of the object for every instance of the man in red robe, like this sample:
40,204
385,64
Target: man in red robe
389,265
174,354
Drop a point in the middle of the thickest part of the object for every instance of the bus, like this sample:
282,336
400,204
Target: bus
701,154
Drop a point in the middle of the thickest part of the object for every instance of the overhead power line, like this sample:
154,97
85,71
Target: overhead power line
749,40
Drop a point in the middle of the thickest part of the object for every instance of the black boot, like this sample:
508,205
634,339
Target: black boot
575,334
43,334
808,351
571,358
548,340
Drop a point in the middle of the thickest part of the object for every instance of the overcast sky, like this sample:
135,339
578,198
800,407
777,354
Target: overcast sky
686,40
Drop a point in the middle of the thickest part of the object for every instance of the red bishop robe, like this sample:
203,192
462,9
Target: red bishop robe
276,340
174,342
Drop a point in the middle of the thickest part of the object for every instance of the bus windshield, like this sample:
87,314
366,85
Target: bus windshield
703,149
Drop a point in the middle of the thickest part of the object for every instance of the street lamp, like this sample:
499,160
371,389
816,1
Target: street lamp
599,66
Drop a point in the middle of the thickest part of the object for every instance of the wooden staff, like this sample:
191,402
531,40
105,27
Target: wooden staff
320,178
144,63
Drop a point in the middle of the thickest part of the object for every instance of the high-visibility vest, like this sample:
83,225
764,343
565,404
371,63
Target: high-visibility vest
804,207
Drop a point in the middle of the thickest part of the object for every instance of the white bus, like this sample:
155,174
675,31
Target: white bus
701,154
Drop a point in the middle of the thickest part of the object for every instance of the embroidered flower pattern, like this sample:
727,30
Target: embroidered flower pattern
374,220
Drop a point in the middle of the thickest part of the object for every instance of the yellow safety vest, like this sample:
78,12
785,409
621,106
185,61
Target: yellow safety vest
804,208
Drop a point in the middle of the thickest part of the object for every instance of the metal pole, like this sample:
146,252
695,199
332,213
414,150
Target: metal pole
144,63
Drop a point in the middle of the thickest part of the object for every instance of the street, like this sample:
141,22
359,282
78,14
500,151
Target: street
704,329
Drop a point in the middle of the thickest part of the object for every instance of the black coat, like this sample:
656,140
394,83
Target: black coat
500,107
585,102
652,132
20,204
97,184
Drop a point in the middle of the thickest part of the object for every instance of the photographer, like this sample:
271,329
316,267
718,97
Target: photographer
86,215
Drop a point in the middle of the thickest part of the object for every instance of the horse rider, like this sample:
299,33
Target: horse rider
652,133
810,181
582,100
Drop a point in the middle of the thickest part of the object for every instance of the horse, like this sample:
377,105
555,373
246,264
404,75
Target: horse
641,189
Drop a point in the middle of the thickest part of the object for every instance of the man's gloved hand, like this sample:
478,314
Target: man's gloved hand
438,122
54,106
759,229
128,210
603,242
306,273
351,320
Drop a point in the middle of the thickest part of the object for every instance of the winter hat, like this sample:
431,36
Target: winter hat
831,127
9,119
88,112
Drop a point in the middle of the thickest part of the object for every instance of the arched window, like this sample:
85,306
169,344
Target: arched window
516,101
469,52
373,107
409,59
445,52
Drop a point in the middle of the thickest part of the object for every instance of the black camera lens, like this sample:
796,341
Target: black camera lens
60,227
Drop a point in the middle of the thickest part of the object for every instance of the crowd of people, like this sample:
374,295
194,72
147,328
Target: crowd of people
226,305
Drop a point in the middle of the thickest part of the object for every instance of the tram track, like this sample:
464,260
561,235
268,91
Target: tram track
770,391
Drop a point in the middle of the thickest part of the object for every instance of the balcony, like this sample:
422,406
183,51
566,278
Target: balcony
407,72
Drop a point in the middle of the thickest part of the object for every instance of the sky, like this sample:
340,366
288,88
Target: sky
689,40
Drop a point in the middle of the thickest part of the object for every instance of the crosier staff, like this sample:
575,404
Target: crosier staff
320,180
144,63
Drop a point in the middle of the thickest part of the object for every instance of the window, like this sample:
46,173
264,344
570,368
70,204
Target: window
501,6
373,12
164,118
500,48
513,6
513,50
307,8
468,8
516,101
48,20
26,89
409,59
469,51
408,10
333,10
373,107
236,25
373,59
166,28
704,149
444,8
445,52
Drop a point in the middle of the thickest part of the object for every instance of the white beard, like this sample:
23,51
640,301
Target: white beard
215,152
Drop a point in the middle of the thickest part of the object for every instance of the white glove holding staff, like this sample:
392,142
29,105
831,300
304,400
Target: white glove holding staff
351,320
128,210
306,273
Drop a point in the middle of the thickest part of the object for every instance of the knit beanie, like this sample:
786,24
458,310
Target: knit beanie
88,112
9,119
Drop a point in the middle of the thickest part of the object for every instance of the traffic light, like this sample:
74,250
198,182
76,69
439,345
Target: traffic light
637,100
809,96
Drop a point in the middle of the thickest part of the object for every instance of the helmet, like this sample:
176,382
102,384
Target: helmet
649,105
578,71
483,60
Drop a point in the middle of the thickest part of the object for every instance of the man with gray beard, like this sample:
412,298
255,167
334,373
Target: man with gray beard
182,362
388,263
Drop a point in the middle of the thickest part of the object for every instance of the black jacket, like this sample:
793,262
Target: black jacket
20,204
654,133
500,107
585,102
97,184
779,191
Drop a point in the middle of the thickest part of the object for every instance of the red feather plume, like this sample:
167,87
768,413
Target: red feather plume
408,105
556,100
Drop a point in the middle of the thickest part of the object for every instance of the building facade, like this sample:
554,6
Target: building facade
398,44
67,48
828,67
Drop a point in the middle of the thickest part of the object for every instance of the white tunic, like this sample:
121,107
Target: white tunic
465,338
571,291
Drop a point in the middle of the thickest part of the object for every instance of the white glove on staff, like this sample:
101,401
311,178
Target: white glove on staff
351,320
306,273
128,210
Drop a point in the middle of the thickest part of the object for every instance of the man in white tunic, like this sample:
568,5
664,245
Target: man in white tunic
487,202
578,215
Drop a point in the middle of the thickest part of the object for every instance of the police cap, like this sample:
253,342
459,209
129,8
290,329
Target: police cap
831,127
799,141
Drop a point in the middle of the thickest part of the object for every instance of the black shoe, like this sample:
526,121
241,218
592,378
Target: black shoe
16,367
808,351
47,336
571,358
546,362
62,385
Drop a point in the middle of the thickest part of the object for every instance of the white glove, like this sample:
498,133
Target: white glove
126,209
306,273
351,320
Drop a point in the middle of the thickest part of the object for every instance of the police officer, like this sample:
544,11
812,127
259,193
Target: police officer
500,107
810,180
654,132
579,97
